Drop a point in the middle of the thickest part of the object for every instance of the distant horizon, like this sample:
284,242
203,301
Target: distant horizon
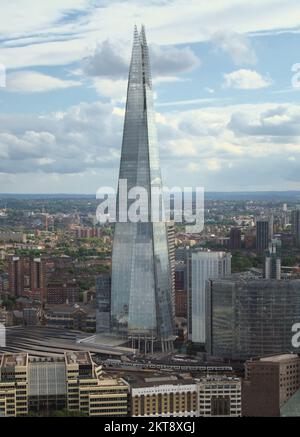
294,194
91,194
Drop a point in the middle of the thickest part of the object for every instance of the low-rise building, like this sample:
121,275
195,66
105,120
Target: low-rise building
92,392
60,292
219,396
163,396
71,317
269,383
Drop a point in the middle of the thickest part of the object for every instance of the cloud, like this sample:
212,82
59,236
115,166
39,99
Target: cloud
84,137
78,149
34,82
107,60
281,123
108,67
172,60
115,90
246,80
238,46
111,60
59,32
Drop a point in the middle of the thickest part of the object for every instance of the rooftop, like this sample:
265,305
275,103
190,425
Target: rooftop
78,358
12,360
155,380
279,358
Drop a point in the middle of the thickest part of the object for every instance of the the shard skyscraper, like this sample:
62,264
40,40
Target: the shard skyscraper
141,301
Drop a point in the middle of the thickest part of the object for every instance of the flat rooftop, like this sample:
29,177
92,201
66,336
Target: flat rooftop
12,360
78,358
279,358
155,380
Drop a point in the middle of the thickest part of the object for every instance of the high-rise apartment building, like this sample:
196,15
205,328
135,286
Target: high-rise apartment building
15,276
27,277
202,265
269,383
38,278
141,293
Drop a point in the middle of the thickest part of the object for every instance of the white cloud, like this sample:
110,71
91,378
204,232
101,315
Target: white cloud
212,147
246,79
238,46
112,89
111,60
62,31
34,82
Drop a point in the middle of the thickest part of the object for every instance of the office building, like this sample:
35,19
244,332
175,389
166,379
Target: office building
13,385
250,317
269,384
72,382
90,391
141,292
180,289
202,265
46,384
219,396
103,296
235,239
163,396
273,260
262,234
171,251
296,225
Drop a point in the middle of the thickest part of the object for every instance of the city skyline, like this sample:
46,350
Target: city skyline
225,101
149,211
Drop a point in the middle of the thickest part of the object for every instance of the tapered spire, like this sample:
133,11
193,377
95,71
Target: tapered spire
141,282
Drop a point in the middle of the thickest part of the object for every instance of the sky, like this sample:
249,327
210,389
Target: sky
226,78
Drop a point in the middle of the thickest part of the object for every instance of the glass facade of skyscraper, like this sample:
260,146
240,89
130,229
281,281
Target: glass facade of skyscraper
141,282
251,317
